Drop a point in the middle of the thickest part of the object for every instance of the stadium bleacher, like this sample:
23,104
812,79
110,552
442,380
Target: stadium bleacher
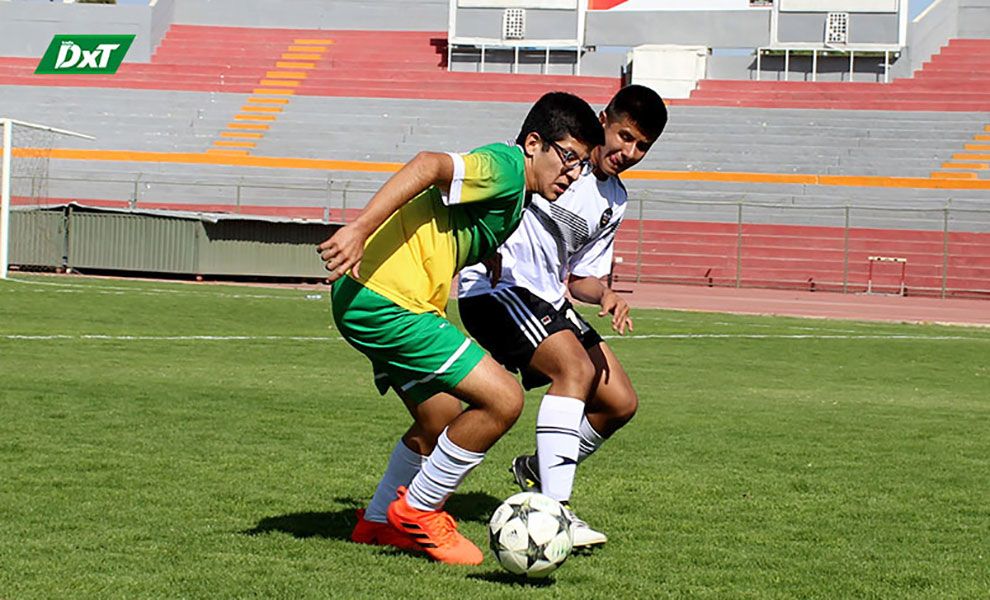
308,122
957,78
337,63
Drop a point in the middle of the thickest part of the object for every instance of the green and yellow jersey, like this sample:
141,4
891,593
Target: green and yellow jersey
412,258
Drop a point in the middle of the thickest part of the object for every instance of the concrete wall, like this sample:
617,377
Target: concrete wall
26,28
927,33
863,28
728,29
715,29
398,15
162,16
974,18
540,24
942,21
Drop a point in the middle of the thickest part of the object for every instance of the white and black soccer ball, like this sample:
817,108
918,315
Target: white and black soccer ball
530,534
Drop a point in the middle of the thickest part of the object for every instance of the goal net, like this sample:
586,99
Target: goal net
24,160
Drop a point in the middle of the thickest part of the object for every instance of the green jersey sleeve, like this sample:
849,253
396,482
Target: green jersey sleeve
487,173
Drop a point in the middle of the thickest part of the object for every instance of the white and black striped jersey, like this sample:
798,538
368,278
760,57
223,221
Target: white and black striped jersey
573,235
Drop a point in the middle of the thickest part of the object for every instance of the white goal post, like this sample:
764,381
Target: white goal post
27,156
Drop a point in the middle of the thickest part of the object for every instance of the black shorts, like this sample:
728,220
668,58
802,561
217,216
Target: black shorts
512,322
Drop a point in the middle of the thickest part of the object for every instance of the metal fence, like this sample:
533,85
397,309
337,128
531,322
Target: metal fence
933,251
726,243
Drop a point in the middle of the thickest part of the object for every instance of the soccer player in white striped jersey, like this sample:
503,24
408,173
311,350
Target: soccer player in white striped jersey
516,306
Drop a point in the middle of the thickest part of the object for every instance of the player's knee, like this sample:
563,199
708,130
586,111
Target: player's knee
627,407
577,375
510,408
504,401
420,442
617,406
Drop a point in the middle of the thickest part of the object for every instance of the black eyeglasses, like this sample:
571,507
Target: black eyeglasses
570,159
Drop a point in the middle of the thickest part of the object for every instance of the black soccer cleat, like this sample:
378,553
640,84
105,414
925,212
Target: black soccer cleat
525,471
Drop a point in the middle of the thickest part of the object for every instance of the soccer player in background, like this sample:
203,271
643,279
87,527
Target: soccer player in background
392,270
515,306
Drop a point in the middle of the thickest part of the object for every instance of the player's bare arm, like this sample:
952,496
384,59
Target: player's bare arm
592,291
343,250
493,264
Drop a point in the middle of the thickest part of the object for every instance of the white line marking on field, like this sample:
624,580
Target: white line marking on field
785,336
659,336
824,327
110,290
174,338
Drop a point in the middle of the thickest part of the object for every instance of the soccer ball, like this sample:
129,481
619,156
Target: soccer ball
530,534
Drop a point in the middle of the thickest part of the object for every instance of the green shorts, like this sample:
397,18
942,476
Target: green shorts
419,355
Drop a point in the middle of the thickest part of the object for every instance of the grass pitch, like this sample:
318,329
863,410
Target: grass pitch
204,441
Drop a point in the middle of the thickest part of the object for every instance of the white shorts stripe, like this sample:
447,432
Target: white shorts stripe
527,314
443,368
519,320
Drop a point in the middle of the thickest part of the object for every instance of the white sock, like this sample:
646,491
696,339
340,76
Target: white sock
591,440
402,467
557,439
442,472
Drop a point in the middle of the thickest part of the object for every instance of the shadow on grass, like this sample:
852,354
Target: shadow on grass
331,524
335,525
338,524
586,550
506,578
474,506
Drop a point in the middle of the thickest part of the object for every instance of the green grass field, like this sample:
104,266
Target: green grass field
164,440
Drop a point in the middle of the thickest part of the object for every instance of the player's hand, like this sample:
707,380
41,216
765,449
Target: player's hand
342,252
613,304
493,265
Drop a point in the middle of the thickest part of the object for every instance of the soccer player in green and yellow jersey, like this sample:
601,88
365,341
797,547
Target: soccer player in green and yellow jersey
392,270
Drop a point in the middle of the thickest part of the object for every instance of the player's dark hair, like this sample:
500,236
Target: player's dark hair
559,114
642,106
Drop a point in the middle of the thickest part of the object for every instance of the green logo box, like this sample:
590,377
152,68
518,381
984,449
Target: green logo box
84,54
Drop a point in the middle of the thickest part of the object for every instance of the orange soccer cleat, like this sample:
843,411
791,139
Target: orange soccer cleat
381,534
435,531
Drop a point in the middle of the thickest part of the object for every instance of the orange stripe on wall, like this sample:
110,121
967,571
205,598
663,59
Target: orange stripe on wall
383,167
241,135
199,158
970,166
255,117
961,175
218,152
712,176
246,126
835,180
227,144
279,83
